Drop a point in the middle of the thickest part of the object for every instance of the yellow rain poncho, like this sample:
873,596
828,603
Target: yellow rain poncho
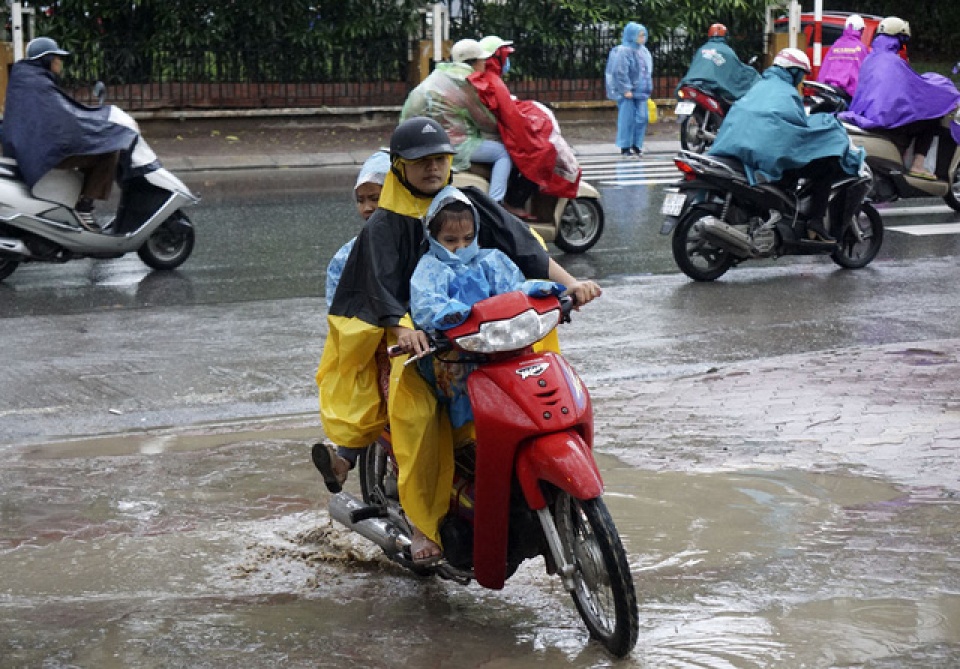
374,294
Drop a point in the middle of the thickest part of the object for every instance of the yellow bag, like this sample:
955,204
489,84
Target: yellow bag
651,111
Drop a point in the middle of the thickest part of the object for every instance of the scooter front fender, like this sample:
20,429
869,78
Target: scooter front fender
562,459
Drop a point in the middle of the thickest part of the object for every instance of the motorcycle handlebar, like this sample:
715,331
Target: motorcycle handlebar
440,343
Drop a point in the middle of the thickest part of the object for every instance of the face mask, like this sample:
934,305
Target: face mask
506,65
467,253
798,76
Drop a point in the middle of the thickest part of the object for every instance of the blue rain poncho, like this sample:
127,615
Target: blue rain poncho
629,67
373,171
769,131
444,287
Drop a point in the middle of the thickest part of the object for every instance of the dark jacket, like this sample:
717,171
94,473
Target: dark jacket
42,125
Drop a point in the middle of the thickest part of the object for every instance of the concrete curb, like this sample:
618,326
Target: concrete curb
259,161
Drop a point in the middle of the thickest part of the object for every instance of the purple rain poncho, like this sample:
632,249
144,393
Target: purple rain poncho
841,66
890,94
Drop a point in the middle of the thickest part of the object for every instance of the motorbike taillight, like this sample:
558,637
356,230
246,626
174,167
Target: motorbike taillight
688,172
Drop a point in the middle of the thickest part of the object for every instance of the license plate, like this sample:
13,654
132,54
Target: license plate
673,204
684,108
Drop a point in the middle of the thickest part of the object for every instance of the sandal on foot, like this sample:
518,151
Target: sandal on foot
420,542
922,174
324,458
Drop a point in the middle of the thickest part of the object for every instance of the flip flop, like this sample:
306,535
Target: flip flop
922,175
322,456
417,545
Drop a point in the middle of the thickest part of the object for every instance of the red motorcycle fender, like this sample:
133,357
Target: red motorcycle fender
563,459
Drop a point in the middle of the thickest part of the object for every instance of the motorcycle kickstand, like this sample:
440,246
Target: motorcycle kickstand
564,568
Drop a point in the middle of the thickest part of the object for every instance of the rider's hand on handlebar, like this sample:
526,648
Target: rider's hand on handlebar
410,341
584,291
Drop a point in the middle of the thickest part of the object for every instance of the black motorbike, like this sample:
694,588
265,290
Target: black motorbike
719,219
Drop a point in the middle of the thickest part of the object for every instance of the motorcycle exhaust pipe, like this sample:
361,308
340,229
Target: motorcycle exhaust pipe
13,249
354,515
728,237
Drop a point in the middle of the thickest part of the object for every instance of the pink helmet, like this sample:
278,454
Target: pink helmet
788,58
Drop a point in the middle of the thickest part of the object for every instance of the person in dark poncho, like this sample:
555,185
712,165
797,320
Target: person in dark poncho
373,297
44,128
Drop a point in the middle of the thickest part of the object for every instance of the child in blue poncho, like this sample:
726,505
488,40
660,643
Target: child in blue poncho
453,275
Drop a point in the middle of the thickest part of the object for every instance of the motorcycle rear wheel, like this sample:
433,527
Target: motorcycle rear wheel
695,256
170,244
691,132
853,254
604,593
581,225
7,268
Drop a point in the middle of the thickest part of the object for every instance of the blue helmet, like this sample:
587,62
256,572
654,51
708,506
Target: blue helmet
44,46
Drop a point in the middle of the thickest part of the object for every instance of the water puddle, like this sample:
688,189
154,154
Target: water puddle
213,548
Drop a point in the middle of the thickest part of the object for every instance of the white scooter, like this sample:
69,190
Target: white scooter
42,226
574,225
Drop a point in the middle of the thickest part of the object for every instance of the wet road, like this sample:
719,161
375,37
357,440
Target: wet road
157,507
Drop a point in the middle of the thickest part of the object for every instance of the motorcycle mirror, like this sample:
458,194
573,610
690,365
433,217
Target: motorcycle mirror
99,92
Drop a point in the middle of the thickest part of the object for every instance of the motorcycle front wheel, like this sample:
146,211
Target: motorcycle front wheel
581,225
603,593
694,255
170,244
691,132
852,253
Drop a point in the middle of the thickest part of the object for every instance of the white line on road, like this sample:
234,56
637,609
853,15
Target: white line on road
928,229
912,211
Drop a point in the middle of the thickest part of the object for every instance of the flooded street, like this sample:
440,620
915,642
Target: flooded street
210,546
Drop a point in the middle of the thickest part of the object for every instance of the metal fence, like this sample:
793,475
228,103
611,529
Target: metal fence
570,70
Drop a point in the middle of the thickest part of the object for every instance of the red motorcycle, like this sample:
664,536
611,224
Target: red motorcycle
700,114
531,486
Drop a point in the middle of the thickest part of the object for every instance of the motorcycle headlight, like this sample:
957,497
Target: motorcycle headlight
511,334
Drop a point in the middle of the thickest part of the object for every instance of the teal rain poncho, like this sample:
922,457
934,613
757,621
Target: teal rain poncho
717,70
768,130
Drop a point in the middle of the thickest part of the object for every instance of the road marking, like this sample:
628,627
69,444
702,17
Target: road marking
922,230
912,211
612,171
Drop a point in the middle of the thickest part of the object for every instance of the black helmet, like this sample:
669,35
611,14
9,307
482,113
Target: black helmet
418,137
44,46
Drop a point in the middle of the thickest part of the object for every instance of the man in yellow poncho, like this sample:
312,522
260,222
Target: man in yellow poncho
371,302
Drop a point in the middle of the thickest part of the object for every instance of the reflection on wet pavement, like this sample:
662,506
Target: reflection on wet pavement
215,551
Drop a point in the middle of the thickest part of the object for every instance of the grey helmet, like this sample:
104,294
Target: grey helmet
418,137
44,46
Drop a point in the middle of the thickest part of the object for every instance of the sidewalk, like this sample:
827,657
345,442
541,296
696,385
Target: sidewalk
289,145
